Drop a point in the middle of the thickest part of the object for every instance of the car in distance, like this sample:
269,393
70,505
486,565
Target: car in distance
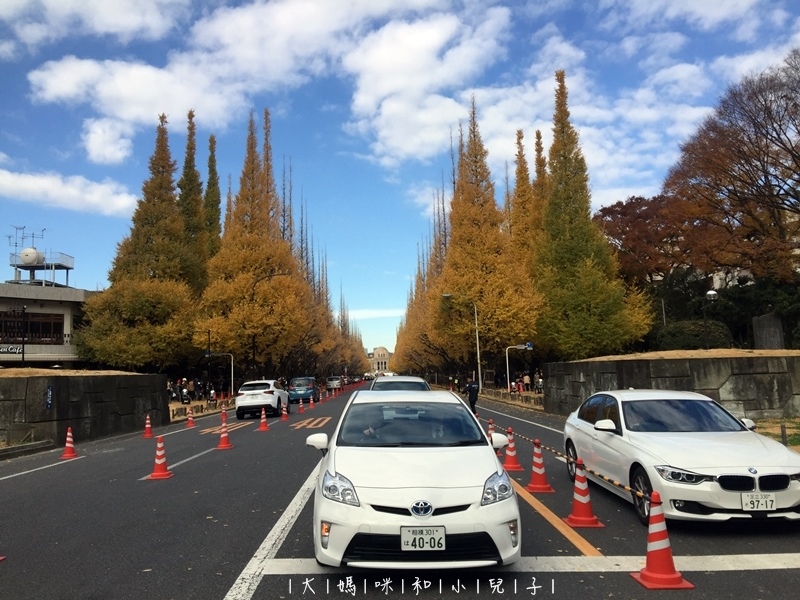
399,382
705,463
333,383
409,480
305,388
263,393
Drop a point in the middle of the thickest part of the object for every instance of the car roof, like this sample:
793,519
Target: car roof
399,378
390,396
634,395
269,381
335,377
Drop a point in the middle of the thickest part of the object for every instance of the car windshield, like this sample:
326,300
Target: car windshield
409,424
255,386
678,416
400,385
302,382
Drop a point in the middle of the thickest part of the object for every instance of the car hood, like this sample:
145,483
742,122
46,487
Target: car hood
415,467
696,451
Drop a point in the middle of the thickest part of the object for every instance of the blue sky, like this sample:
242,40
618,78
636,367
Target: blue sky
364,96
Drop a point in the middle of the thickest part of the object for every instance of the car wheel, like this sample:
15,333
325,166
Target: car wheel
239,415
572,456
288,408
640,482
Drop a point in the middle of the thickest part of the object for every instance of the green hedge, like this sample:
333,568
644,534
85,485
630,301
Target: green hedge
694,335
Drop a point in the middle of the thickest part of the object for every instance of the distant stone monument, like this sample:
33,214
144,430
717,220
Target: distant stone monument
768,332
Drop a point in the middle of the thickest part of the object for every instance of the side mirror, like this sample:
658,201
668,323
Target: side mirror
749,423
318,441
499,441
606,425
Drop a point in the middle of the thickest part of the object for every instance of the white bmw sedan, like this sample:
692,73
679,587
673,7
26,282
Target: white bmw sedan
704,462
409,480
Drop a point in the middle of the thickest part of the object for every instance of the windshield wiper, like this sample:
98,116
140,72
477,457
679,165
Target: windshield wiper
466,443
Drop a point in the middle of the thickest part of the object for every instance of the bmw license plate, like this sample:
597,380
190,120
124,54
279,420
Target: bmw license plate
422,538
758,501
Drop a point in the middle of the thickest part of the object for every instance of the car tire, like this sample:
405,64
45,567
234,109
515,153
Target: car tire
572,456
640,482
239,415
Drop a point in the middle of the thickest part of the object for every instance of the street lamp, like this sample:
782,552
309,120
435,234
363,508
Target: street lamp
477,341
527,346
711,296
231,355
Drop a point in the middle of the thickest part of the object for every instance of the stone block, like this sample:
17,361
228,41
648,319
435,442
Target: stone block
709,374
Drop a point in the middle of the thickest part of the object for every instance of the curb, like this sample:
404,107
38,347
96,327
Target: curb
23,449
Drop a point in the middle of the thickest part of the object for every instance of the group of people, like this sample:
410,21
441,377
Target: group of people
189,390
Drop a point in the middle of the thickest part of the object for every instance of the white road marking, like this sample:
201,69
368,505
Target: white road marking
246,584
581,564
40,468
179,463
507,416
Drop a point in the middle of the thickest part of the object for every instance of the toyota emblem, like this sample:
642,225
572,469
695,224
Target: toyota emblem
421,508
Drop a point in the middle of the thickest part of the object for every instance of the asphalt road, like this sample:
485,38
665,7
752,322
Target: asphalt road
235,524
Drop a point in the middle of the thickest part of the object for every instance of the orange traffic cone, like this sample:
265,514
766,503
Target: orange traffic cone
311,403
160,470
224,441
581,515
284,414
69,448
189,419
224,415
538,477
511,463
301,410
659,571
264,425
148,428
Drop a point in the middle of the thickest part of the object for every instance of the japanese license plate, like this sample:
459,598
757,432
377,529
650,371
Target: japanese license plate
758,501
422,538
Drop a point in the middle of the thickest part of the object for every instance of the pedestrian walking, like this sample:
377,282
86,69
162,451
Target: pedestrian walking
471,391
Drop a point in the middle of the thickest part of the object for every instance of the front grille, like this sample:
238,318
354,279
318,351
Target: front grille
773,483
406,512
737,483
460,546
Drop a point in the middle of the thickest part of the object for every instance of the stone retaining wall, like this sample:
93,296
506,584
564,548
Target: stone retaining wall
754,387
42,408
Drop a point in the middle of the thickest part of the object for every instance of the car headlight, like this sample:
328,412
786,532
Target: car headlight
497,488
680,476
339,489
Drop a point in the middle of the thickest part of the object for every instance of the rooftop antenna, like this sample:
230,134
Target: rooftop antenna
21,236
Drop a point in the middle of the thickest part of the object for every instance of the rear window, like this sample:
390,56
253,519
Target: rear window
334,379
400,385
302,382
254,386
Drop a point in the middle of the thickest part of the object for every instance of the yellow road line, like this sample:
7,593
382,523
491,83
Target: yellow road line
568,532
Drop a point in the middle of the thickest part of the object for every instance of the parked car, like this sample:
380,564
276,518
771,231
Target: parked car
704,462
404,480
264,393
399,382
305,388
333,383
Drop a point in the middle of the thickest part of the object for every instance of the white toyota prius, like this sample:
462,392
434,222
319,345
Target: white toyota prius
409,480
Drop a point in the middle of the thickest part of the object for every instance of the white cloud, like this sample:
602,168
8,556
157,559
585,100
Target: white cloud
107,141
704,15
361,314
74,193
680,81
36,22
